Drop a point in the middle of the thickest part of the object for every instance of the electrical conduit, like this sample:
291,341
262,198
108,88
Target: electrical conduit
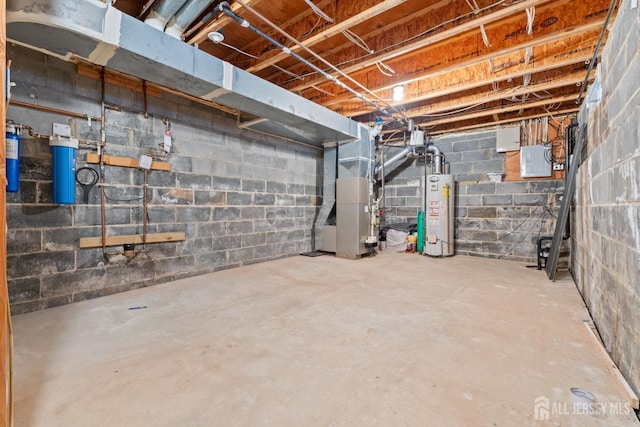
225,8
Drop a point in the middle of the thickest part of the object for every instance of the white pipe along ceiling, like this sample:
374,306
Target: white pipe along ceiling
101,34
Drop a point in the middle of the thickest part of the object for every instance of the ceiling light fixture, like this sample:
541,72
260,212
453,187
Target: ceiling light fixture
216,36
398,93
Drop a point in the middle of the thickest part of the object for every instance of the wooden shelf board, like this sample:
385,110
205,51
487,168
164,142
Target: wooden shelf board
96,242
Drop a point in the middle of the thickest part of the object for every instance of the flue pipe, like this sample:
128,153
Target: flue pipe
438,158
399,156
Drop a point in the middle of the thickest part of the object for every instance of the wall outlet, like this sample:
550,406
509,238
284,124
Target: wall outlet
558,166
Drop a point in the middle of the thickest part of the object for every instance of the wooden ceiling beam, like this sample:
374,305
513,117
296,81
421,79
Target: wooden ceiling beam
500,109
493,111
219,23
345,19
459,127
413,48
304,23
557,54
481,97
468,51
383,28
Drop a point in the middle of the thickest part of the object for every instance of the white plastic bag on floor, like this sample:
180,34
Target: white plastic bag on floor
396,240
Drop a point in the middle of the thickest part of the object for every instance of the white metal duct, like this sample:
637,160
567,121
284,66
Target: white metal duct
101,34
185,16
162,11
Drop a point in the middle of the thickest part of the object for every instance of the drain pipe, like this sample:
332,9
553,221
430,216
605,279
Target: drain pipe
224,8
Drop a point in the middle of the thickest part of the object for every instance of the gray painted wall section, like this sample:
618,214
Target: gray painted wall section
607,209
124,44
493,219
239,196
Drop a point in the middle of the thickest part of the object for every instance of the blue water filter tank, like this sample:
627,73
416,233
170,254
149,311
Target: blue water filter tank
13,158
63,162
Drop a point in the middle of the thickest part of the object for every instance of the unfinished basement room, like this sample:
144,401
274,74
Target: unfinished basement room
320,213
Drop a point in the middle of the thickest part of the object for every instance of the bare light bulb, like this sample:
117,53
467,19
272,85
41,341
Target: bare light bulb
398,93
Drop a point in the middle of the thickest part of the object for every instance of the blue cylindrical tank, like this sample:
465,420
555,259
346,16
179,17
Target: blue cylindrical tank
63,163
13,158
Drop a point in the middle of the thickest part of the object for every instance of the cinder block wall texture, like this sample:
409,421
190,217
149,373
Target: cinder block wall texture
493,219
607,231
240,197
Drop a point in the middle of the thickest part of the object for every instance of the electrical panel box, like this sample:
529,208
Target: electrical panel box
508,139
417,138
535,161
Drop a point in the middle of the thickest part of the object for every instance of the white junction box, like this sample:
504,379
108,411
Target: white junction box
535,161
508,139
61,130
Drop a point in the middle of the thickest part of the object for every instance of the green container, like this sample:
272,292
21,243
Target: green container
420,243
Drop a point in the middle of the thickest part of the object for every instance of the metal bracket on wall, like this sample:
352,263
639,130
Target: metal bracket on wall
563,216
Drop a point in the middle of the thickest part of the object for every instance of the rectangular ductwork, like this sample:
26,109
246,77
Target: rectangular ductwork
99,33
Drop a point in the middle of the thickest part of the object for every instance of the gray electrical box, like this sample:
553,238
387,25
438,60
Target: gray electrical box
535,161
507,139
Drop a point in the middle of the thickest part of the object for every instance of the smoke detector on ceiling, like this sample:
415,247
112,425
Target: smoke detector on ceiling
216,36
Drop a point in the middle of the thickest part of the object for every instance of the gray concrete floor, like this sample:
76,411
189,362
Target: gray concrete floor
394,340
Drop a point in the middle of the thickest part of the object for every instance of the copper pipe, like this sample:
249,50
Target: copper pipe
144,97
103,139
448,187
192,30
144,209
52,110
383,197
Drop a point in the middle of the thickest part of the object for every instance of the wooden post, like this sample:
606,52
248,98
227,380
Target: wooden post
4,296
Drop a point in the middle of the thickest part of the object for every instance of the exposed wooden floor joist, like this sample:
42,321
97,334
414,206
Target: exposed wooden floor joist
442,52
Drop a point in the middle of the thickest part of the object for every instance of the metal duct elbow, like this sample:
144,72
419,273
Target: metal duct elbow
399,156
438,158
185,16
162,11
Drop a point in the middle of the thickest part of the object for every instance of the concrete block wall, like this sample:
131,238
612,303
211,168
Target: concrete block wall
606,267
493,219
240,197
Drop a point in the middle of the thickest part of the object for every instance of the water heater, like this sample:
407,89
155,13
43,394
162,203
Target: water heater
439,215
